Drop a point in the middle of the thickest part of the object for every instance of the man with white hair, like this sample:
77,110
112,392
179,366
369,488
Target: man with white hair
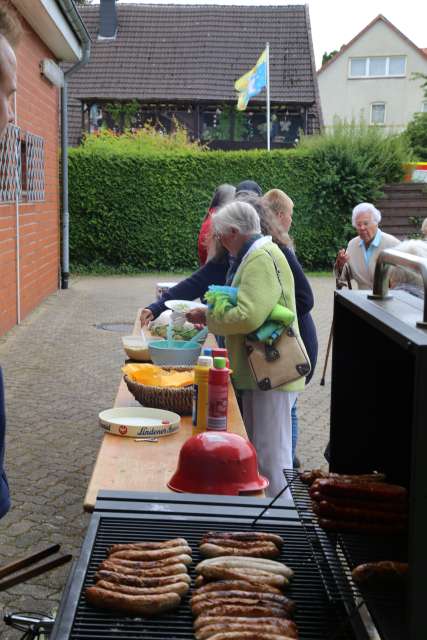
359,260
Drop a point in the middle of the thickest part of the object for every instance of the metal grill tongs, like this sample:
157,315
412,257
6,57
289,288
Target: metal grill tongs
27,561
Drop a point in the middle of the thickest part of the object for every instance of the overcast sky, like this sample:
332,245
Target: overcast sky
335,22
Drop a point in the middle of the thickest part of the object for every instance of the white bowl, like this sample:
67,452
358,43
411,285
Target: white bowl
136,348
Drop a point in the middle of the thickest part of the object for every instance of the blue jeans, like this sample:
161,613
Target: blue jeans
294,418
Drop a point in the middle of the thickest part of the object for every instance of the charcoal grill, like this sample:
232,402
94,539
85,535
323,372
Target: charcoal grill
379,422
125,517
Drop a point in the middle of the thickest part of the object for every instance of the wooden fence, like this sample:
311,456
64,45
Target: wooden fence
403,208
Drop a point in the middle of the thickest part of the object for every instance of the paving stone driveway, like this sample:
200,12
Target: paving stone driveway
60,371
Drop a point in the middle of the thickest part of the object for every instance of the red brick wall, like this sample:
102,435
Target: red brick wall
37,113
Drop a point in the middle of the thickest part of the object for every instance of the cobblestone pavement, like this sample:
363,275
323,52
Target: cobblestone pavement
60,371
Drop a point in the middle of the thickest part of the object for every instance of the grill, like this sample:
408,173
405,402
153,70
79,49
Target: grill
339,553
158,516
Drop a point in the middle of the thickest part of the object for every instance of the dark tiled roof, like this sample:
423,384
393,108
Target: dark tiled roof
188,52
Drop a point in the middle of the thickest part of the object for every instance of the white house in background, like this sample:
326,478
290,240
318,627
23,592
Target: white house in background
371,78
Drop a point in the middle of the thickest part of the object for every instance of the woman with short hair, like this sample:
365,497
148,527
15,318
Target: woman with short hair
267,414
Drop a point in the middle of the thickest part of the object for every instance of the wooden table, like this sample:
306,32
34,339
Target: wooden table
125,465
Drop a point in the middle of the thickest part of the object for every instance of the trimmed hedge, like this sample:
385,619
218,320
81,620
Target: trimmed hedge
138,212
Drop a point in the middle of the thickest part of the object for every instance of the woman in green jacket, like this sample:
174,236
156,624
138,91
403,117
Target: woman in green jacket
267,414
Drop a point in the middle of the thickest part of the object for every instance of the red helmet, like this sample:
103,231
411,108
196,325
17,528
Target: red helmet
217,462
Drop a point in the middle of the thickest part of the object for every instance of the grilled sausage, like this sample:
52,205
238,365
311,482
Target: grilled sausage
230,585
150,564
361,527
168,570
308,477
208,619
146,605
288,630
213,572
151,554
366,505
246,535
139,546
264,550
134,581
241,562
247,635
327,510
245,603
380,572
236,544
259,595
362,490
257,611
181,588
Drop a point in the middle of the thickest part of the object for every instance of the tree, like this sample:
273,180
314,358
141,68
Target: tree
416,134
328,56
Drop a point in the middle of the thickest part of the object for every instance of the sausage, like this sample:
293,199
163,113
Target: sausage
308,477
236,544
271,566
247,635
146,605
327,510
153,554
364,490
265,550
230,585
134,581
212,572
380,572
168,570
257,611
176,542
247,535
208,619
361,527
235,593
288,630
244,603
366,505
181,588
150,564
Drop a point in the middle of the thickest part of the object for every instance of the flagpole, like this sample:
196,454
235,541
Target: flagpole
267,48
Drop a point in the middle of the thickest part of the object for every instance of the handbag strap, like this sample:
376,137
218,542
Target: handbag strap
278,276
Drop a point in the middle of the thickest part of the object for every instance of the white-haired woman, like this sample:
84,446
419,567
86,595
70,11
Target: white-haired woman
267,414
359,260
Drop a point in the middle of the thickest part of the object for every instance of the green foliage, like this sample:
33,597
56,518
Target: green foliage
139,207
328,56
416,135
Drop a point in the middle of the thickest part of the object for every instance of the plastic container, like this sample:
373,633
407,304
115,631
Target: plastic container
200,393
174,352
218,395
218,352
207,351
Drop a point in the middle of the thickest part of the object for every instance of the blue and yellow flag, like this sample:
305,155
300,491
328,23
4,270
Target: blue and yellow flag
252,82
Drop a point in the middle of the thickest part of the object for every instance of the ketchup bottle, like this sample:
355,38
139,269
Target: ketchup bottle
217,352
218,395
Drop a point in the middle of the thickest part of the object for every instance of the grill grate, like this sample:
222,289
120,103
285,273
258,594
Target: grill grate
340,553
317,618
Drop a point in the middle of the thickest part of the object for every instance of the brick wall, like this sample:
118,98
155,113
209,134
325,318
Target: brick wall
37,113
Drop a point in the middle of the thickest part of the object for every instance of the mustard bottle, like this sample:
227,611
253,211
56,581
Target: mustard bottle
200,395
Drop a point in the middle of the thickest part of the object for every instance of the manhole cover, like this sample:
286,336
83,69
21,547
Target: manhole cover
120,327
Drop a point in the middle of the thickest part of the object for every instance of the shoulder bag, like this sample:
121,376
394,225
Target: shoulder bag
283,361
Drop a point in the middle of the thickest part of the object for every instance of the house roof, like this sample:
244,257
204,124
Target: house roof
379,18
195,53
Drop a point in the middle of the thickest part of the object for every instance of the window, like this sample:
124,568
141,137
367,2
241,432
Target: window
34,167
377,67
10,165
424,106
378,113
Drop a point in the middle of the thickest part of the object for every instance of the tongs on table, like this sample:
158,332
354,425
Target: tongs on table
27,561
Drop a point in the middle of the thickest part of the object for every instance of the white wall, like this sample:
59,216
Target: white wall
351,98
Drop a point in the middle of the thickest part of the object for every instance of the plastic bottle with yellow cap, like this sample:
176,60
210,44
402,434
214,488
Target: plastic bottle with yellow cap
200,396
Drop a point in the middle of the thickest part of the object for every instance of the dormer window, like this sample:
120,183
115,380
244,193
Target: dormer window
377,67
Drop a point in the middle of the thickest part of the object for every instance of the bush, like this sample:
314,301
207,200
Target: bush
416,135
142,211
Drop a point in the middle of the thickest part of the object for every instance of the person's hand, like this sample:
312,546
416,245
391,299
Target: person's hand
197,316
341,259
146,317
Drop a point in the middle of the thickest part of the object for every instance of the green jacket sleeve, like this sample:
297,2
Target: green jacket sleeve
259,291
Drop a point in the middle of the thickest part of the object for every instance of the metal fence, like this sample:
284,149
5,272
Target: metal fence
34,167
10,165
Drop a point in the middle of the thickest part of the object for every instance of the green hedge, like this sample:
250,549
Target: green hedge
138,212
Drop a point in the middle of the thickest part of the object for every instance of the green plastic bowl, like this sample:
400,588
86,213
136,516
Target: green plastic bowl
174,352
